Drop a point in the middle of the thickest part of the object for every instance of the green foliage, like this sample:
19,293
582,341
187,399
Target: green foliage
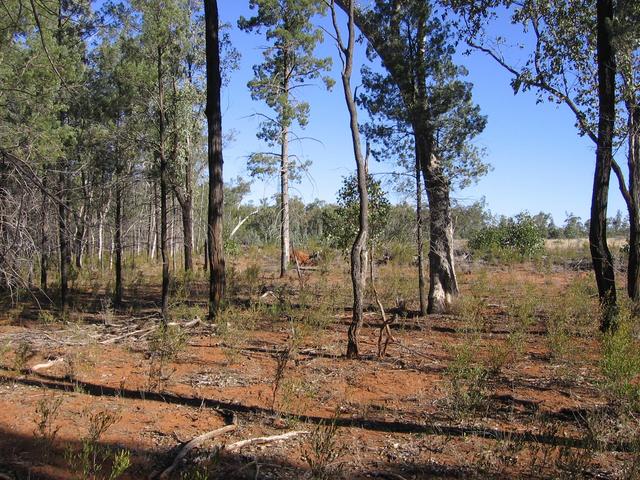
519,236
621,364
468,378
322,450
92,460
343,221
23,352
425,79
47,411
289,63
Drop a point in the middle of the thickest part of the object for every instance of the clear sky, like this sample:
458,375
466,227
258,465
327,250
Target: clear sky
539,161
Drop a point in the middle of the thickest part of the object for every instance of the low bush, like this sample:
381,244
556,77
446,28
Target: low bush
519,237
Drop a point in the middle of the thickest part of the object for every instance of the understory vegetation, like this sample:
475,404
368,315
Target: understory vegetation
521,348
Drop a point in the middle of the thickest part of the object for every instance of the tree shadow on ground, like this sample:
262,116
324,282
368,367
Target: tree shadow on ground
389,426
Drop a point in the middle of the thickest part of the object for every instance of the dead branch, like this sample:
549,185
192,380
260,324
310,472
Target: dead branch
130,334
295,257
382,349
241,222
49,364
195,442
263,440
146,331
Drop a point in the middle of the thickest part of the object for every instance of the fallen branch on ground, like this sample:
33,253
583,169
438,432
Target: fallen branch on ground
195,442
263,440
49,364
147,331
130,334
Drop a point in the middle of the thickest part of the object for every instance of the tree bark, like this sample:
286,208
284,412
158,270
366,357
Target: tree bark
184,194
117,297
63,206
284,201
633,204
101,220
81,227
359,248
600,254
63,236
215,160
412,85
443,284
419,242
187,233
44,249
163,192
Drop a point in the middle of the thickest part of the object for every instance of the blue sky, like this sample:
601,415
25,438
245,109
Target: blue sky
539,161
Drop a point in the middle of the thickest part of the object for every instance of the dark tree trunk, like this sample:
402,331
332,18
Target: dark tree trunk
419,242
63,206
117,297
44,245
63,237
214,147
187,232
163,192
600,254
205,266
633,203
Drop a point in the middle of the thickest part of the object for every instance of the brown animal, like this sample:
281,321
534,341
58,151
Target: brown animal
303,258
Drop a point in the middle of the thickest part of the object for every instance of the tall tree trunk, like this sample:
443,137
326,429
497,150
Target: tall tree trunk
187,233
63,236
63,206
600,254
117,297
633,204
81,227
443,284
101,220
163,192
419,242
44,246
151,240
359,248
285,240
214,147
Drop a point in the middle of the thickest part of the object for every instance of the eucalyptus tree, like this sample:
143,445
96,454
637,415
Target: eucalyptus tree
359,252
453,119
213,111
583,55
289,64
398,31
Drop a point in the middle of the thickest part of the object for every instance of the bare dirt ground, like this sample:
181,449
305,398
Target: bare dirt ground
500,388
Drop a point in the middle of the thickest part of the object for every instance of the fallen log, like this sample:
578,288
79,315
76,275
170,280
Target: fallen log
195,442
263,440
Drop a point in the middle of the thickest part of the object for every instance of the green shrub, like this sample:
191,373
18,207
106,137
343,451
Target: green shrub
621,365
520,237
342,222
